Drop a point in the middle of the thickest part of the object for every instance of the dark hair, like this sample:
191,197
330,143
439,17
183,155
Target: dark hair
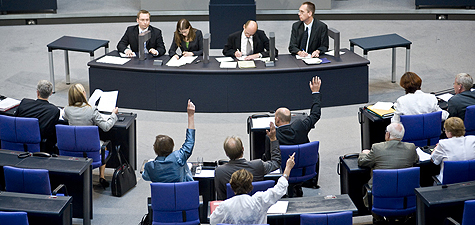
310,7
410,82
143,12
241,182
163,145
181,25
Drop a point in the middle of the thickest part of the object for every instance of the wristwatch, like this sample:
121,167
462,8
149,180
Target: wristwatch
285,175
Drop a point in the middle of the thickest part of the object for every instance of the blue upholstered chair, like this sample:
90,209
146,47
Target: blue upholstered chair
468,214
306,156
82,141
339,218
457,172
33,181
393,192
20,133
175,203
469,120
422,129
256,186
14,218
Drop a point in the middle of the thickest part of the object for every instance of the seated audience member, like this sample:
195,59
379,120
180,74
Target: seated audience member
235,151
391,154
170,166
80,113
456,147
46,113
415,101
245,209
188,39
463,96
250,42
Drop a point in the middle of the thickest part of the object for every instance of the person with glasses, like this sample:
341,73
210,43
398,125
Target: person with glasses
463,96
188,39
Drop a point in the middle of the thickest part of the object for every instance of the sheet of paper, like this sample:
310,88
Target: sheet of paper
332,53
445,97
246,64
95,96
174,62
123,55
306,57
422,155
108,101
262,122
225,59
277,171
280,207
113,60
188,59
228,65
312,60
205,173
8,103
383,105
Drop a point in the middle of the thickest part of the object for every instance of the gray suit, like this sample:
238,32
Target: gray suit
392,154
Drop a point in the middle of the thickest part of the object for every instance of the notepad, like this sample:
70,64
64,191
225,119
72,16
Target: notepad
311,61
113,60
224,59
8,103
246,64
228,65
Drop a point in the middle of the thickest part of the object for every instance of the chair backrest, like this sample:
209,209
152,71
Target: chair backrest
16,218
256,186
469,120
33,181
78,141
422,129
339,218
306,156
175,203
20,133
469,213
393,191
458,171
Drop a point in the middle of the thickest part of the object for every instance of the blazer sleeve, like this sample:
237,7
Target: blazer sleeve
230,47
294,39
124,41
315,112
173,47
157,42
263,45
198,48
323,31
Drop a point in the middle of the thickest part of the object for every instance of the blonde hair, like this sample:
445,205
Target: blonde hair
77,95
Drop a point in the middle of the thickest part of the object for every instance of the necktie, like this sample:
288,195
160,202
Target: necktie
249,47
303,42
144,45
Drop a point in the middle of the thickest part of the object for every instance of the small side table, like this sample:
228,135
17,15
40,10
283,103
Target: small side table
68,43
382,42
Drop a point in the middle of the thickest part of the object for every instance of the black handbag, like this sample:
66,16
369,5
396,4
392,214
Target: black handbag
124,177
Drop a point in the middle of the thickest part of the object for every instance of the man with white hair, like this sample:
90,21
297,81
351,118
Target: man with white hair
463,96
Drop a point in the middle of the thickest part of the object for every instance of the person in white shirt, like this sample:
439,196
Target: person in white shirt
415,101
456,147
245,209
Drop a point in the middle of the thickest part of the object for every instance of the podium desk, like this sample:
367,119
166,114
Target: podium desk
436,203
75,173
143,85
373,128
56,210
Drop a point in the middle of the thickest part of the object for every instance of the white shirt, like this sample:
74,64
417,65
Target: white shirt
244,43
245,209
309,30
416,103
453,149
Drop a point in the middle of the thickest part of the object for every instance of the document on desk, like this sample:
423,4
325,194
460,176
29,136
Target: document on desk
225,59
107,100
280,207
246,64
332,53
113,60
312,61
445,96
182,61
205,173
422,155
262,122
228,65
8,103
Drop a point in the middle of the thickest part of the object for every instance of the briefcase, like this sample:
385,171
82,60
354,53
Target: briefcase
124,177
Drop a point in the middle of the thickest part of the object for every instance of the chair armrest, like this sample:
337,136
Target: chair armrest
437,181
57,189
106,146
369,193
450,220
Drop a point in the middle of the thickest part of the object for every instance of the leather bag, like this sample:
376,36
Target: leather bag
124,177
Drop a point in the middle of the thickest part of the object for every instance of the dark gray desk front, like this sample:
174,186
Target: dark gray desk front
142,85
41,209
75,173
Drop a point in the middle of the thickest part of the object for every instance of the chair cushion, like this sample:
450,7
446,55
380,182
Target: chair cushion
17,218
306,156
171,200
33,181
16,131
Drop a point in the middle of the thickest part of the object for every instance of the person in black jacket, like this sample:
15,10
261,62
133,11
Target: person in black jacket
250,42
188,39
154,45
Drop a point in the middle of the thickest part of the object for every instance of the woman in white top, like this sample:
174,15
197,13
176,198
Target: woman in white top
80,113
456,147
415,101
245,209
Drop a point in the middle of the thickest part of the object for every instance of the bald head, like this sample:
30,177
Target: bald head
233,147
282,116
250,28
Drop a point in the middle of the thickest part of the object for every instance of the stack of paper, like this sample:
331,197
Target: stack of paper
107,100
8,103
311,61
225,59
382,109
246,64
180,62
113,60
228,65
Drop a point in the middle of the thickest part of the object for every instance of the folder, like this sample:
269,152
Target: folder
383,113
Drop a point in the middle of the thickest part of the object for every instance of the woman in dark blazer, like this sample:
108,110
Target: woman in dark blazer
187,38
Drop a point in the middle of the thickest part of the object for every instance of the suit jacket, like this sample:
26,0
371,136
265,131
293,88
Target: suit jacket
257,167
131,37
392,154
260,44
318,37
459,102
47,115
195,46
296,132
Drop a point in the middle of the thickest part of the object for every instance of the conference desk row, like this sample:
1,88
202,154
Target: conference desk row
145,85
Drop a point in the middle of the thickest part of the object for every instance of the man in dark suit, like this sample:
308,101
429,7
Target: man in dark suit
315,40
154,45
249,42
46,113
463,96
